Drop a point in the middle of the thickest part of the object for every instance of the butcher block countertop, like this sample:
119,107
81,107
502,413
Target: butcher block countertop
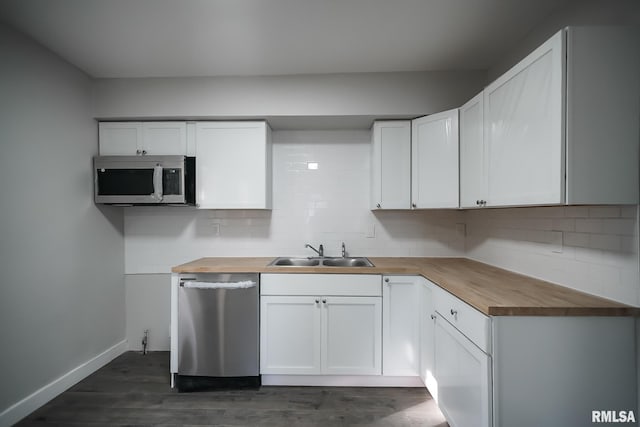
489,289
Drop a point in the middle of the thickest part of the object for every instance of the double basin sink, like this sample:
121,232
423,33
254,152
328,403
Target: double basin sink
321,262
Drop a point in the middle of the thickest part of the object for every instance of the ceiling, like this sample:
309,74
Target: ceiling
171,38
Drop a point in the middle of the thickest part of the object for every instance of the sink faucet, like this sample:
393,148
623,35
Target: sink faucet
319,251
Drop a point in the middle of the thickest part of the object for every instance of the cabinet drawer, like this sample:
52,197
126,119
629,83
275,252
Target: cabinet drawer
473,324
321,284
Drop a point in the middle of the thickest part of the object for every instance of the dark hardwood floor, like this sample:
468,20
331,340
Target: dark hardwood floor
133,390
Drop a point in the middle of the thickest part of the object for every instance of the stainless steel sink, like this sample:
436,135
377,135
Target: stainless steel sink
295,262
321,262
347,262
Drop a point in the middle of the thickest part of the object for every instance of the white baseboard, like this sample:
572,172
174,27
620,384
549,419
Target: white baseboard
24,407
341,380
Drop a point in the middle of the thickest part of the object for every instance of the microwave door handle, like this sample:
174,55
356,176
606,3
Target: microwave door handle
157,182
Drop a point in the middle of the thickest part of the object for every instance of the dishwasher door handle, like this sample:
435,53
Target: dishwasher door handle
193,284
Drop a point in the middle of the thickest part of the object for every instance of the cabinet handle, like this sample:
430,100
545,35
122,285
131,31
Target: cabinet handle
413,205
386,279
378,206
138,152
317,301
433,317
454,312
144,152
324,301
477,202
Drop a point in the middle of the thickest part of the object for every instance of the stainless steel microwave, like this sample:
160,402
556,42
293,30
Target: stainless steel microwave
144,180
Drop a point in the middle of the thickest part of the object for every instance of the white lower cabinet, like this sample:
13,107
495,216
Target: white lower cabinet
426,318
306,329
463,375
350,343
290,335
400,326
523,371
461,360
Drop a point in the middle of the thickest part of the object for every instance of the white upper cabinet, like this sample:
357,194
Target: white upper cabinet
233,166
434,166
561,127
120,138
391,165
524,132
473,174
141,138
164,138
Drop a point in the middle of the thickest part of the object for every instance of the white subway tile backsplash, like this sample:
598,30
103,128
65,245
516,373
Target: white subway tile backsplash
605,241
315,206
628,211
629,244
576,212
576,239
604,211
597,250
563,224
622,226
589,225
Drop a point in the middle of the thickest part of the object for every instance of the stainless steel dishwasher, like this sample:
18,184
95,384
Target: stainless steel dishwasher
218,331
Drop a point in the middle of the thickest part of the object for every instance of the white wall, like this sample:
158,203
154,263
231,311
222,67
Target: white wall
61,257
407,94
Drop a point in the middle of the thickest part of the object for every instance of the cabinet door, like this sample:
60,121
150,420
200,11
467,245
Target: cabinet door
351,336
391,165
427,337
290,335
400,330
120,138
463,375
473,173
233,170
164,138
434,166
524,130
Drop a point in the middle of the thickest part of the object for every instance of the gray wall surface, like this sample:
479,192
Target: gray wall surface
574,13
408,94
61,257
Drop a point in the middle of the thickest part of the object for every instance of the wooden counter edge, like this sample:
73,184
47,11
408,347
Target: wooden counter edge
623,311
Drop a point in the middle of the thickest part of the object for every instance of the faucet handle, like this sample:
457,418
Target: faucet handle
344,250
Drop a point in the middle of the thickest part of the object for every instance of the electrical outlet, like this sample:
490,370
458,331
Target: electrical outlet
370,231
